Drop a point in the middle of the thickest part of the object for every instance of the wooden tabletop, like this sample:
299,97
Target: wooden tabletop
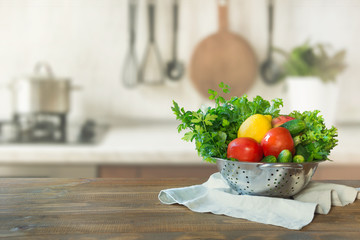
129,209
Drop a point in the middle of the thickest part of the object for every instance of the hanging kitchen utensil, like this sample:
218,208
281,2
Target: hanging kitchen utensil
130,69
223,57
152,69
175,69
269,70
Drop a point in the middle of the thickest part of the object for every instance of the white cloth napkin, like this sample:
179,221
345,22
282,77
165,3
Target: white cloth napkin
217,197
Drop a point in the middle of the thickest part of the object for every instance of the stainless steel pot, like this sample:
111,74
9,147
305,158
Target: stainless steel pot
41,92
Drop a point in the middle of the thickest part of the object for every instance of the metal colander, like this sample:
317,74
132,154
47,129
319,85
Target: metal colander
266,179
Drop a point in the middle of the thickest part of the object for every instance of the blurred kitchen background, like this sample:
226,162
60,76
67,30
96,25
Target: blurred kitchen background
112,128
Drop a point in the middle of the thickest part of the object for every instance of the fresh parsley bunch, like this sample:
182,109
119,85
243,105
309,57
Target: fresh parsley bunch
316,142
213,128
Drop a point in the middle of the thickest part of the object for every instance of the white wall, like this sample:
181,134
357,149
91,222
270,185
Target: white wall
87,41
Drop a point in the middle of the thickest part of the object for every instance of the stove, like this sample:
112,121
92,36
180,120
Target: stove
48,128
40,127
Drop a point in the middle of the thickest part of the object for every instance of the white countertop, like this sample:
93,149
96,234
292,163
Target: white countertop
146,144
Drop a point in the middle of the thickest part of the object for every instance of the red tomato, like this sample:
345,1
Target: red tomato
276,140
245,149
276,122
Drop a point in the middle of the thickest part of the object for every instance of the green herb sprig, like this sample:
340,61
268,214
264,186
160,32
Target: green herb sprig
313,60
213,128
317,140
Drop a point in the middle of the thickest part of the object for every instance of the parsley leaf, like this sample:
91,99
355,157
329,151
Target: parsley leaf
317,141
213,128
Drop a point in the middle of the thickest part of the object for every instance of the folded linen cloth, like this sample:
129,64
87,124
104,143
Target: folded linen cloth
217,197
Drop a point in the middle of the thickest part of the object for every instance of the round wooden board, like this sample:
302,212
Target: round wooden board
223,57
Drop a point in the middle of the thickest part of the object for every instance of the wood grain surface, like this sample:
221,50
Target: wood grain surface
223,57
129,209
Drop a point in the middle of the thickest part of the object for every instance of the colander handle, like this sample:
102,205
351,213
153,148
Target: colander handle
280,165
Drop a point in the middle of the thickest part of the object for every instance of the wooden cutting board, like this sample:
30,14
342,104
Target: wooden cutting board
223,57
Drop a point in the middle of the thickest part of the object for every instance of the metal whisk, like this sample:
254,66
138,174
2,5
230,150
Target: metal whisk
152,69
130,69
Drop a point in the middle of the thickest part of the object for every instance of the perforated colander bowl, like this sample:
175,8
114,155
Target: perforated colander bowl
267,179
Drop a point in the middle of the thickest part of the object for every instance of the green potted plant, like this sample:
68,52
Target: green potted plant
311,74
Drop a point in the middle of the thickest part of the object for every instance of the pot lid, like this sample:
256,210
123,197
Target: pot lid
43,71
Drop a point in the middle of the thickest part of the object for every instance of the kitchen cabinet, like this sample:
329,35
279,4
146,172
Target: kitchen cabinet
156,171
337,172
47,170
326,171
